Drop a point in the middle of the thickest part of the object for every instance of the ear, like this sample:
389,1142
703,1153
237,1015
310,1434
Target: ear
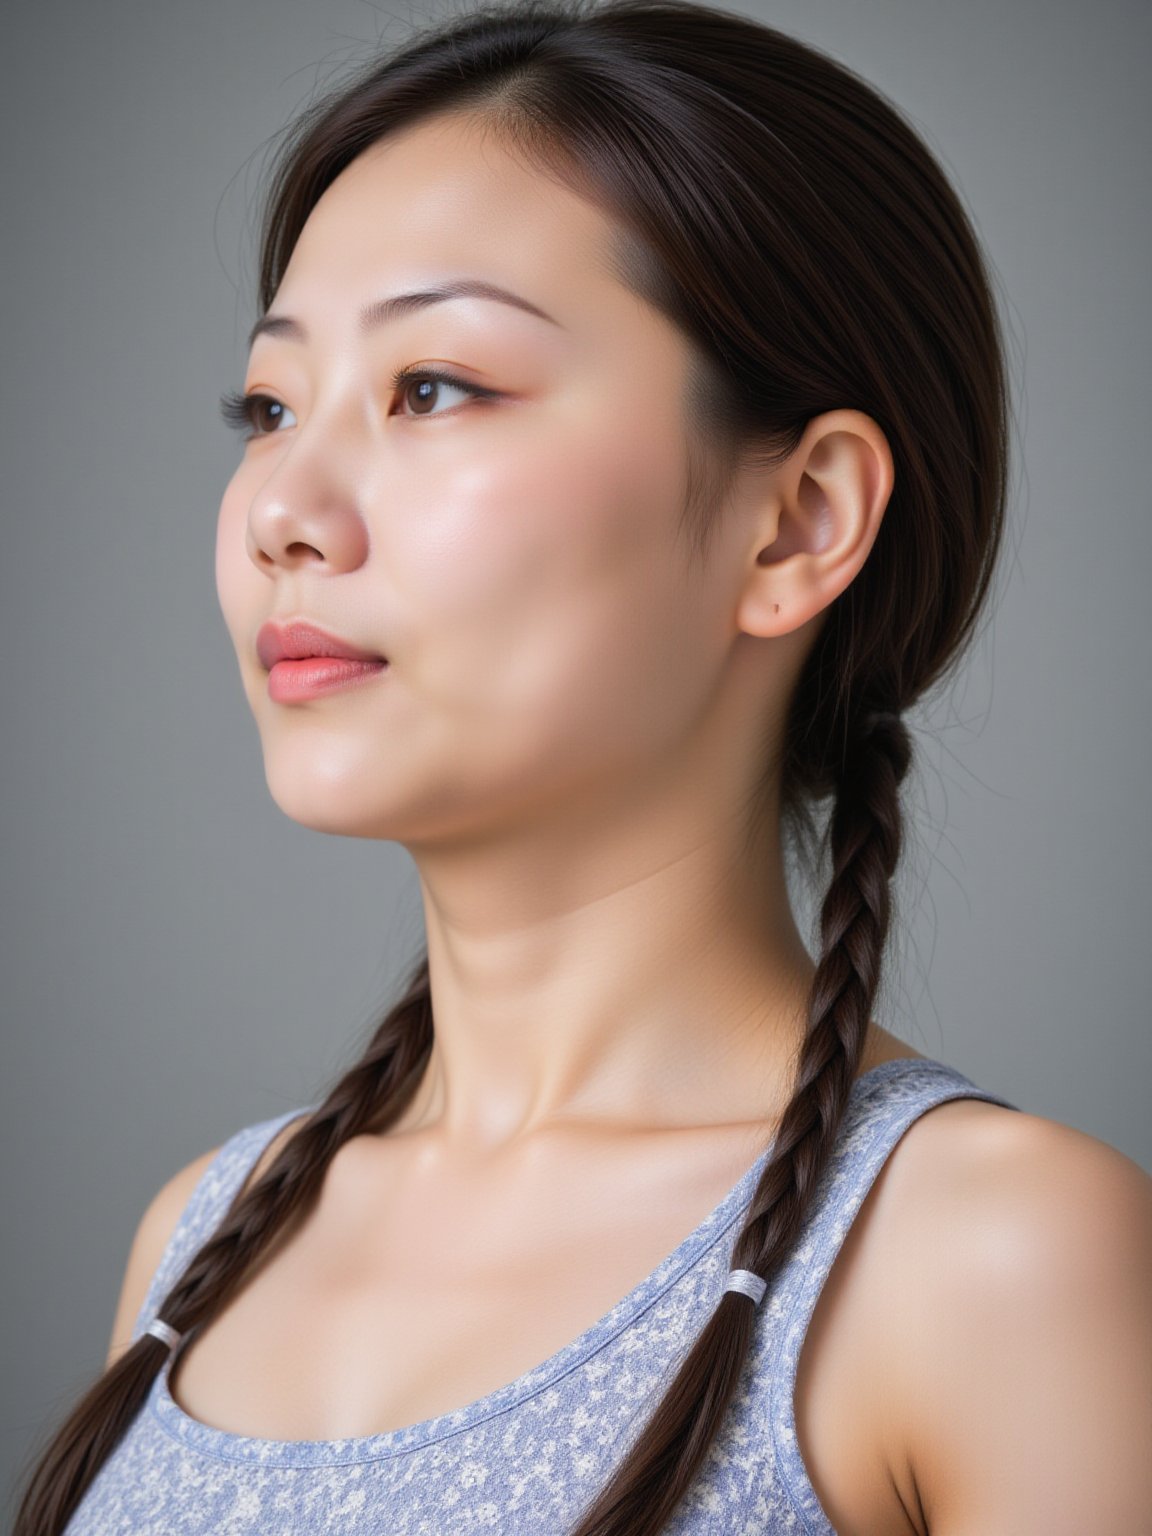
814,521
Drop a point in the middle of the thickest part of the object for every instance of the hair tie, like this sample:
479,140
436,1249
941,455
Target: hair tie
878,719
748,1284
164,1332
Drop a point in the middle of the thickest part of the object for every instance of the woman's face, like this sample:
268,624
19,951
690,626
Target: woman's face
514,557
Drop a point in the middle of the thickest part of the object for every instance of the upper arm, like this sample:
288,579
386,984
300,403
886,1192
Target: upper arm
1026,1356
152,1236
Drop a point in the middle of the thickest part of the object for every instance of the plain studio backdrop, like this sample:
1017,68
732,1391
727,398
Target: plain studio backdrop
179,958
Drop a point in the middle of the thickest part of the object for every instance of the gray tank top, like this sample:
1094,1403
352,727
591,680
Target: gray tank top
524,1460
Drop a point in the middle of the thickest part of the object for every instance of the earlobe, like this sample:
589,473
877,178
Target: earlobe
823,513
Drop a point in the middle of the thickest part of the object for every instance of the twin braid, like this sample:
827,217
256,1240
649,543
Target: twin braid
369,1097
865,839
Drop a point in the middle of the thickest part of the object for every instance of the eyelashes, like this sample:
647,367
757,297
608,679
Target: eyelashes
238,411
241,412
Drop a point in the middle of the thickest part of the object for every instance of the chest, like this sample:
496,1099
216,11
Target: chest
410,1292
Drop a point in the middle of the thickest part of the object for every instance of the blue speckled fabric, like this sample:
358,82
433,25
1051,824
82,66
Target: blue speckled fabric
525,1459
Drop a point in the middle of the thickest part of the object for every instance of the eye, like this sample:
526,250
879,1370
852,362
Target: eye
436,377
244,412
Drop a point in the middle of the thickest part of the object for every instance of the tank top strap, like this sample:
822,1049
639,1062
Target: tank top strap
890,1099
207,1206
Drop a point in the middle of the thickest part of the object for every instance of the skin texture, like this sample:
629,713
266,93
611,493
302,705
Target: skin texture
571,723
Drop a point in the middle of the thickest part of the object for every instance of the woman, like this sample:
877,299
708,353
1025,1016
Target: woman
625,454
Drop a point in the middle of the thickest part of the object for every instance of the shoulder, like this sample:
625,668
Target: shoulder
158,1224
1020,1324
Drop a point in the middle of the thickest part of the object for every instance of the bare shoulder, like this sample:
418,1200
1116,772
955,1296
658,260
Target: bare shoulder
1020,1342
157,1225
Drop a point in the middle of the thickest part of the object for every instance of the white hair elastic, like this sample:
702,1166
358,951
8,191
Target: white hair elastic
164,1332
747,1283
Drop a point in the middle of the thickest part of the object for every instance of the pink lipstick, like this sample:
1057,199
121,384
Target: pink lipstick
305,662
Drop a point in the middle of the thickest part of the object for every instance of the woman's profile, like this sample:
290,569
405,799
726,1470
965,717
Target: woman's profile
624,454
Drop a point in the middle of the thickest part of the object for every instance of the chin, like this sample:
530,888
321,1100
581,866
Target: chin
343,805
310,792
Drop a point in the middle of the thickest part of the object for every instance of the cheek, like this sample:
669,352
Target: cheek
540,580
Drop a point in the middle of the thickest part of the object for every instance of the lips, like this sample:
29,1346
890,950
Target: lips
298,640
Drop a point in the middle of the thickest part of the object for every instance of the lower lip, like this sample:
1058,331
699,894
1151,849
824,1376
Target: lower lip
291,681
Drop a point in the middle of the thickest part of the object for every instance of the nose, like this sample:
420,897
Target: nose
306,512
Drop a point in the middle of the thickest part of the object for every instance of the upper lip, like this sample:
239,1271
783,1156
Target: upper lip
297,639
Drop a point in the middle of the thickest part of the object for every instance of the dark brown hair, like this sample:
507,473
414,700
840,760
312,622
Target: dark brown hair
794,226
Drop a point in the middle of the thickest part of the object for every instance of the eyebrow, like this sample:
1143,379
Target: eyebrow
381,311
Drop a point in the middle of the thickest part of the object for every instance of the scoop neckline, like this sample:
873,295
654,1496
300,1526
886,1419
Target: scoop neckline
227,1445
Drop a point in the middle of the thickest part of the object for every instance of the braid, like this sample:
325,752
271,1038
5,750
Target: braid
865,840
865,833
368,1098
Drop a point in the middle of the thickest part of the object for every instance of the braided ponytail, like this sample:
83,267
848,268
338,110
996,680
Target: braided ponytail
812,252
370,1097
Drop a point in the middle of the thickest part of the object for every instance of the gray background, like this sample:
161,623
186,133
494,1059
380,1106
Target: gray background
155,998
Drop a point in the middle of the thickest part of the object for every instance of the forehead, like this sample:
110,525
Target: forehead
444,198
